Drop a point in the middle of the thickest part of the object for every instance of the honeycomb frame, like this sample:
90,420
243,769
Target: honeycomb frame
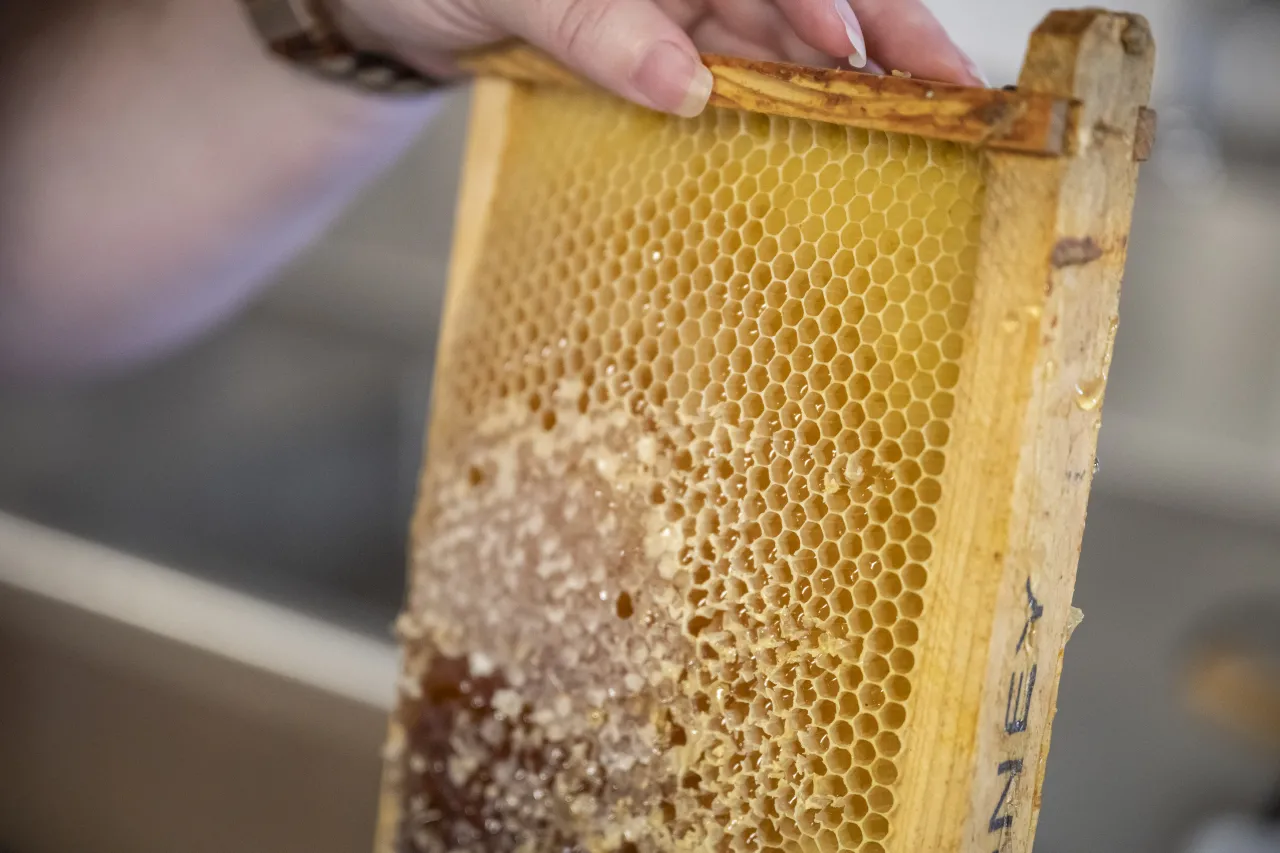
759,456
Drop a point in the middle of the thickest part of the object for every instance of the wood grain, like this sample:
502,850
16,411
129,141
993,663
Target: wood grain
486,140
1025,122
1030,123
1038,346
1041,333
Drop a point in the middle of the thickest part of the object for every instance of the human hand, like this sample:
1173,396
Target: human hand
647,50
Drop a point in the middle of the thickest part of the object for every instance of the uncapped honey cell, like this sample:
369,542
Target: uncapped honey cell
689,431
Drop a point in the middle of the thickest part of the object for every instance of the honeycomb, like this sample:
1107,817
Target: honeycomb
691,417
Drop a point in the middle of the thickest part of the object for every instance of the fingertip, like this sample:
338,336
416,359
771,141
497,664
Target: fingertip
904,34
958,69
976,76
829,26
853,31
698,95
673,79
955,70
630,47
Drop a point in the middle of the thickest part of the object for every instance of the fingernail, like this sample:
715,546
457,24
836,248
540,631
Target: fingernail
854,31
975,71
673,81
873,67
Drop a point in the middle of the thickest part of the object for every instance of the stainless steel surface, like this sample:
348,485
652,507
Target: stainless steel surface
147,712
1132,769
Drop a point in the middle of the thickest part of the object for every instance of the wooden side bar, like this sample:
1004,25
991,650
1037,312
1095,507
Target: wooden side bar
1041,334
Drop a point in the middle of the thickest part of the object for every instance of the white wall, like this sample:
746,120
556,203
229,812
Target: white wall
994,32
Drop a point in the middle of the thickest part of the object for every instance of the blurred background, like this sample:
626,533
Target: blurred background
199,561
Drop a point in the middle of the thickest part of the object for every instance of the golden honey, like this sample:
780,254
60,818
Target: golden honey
691,417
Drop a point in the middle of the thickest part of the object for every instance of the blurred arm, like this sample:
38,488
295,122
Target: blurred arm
155,167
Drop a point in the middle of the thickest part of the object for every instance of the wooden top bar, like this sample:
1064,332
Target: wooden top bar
1023,122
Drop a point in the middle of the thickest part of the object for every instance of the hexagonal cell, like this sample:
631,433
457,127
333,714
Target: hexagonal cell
790,294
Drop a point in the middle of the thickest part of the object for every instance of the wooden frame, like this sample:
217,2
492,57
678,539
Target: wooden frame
1055,235
1061,161
1028,122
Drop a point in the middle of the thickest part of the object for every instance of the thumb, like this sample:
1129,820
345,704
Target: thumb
628,46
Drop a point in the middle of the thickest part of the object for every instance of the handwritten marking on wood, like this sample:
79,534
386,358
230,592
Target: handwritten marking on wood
1017,713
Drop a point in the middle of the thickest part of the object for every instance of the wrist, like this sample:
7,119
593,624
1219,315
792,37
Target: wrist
338,41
